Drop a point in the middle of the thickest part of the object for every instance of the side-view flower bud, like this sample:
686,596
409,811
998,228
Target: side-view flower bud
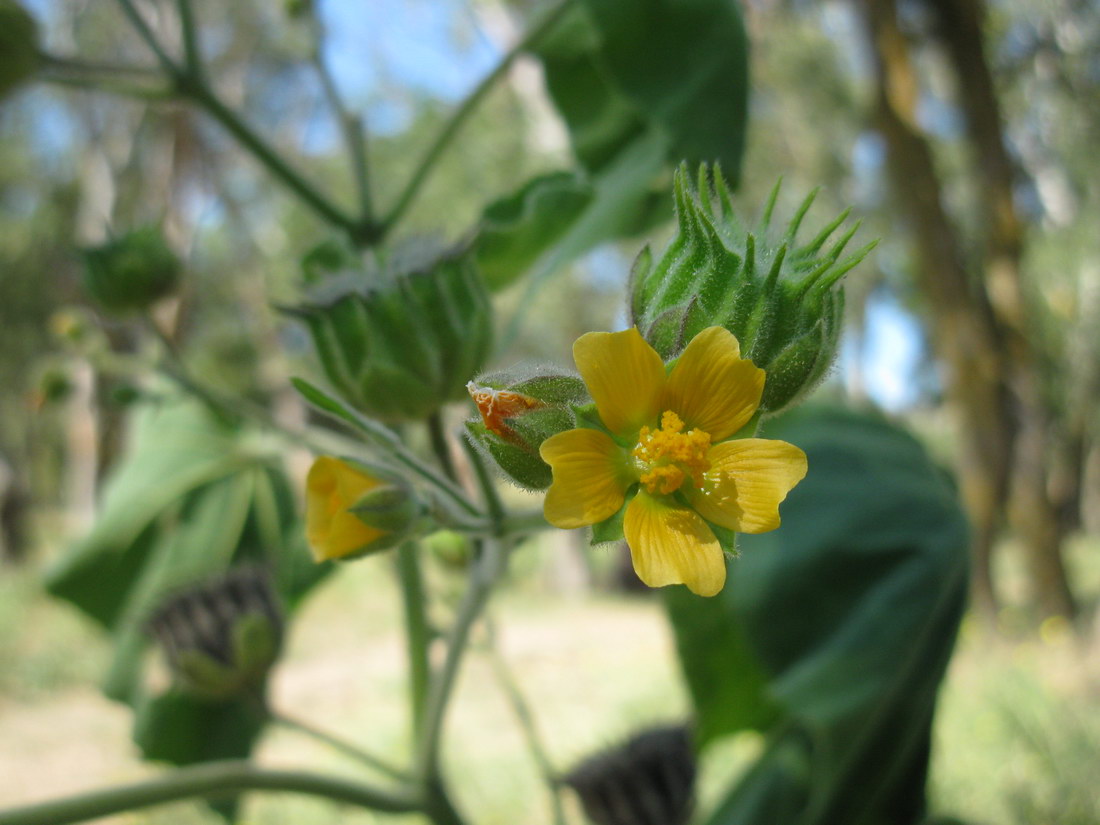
782,299
649,778
18,45
400,343
353,509
129,273
221,638
518,411
391,507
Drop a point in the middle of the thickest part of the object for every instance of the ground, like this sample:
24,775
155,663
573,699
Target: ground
1016,735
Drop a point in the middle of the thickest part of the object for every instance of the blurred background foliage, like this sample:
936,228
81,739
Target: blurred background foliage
962,134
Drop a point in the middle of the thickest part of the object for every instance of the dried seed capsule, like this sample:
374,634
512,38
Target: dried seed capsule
648,780
221,637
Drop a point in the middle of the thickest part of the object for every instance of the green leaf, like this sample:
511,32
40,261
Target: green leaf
834,631
201,542
190,498
641,85
684,66
517,229
619,71
174,450
333,406
182,729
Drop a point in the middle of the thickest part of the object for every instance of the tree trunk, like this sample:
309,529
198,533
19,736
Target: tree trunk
981,325
1033,511
964,333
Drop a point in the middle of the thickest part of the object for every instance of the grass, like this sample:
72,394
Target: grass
1016,741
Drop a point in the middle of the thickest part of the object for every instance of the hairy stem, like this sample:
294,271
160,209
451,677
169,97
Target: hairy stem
338,744
527,725
211,779
483,575
351,128
417,633
467,107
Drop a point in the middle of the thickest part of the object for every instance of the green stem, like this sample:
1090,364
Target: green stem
483,575
338,744
527,724
467,107
258,147
438,436
71,64
487,483
210,779
146,92
351,127
417,633
513,525
192,55
146,34
384,437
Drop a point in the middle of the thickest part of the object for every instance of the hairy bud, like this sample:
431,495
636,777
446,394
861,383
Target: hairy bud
131,272
399,344
782,299
518,412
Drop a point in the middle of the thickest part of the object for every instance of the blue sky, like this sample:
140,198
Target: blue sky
381,50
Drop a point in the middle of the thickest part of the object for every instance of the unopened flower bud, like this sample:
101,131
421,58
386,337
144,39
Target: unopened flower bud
518,411
451,548
399,344
389,507
18,45
648,779
781,299
353,508
222,637
130,273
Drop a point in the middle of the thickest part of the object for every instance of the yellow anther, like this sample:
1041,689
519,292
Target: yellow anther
669,456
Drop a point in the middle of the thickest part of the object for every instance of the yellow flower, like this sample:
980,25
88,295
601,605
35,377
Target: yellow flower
670,434
333,531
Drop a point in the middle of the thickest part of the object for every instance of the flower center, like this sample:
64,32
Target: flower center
668,456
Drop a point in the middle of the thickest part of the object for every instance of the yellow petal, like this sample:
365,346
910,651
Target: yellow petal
670,545
589,478
624,374
331,487
746,481
712,388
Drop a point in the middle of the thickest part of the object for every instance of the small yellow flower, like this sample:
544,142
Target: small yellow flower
333,531
671,437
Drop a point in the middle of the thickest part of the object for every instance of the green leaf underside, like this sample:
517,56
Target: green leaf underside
641,86
833,632
188,499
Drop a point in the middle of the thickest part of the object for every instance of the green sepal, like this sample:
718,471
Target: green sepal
588,417
400,342
393,507
611,528
256,644
255,647
726,538
518,463
204,676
